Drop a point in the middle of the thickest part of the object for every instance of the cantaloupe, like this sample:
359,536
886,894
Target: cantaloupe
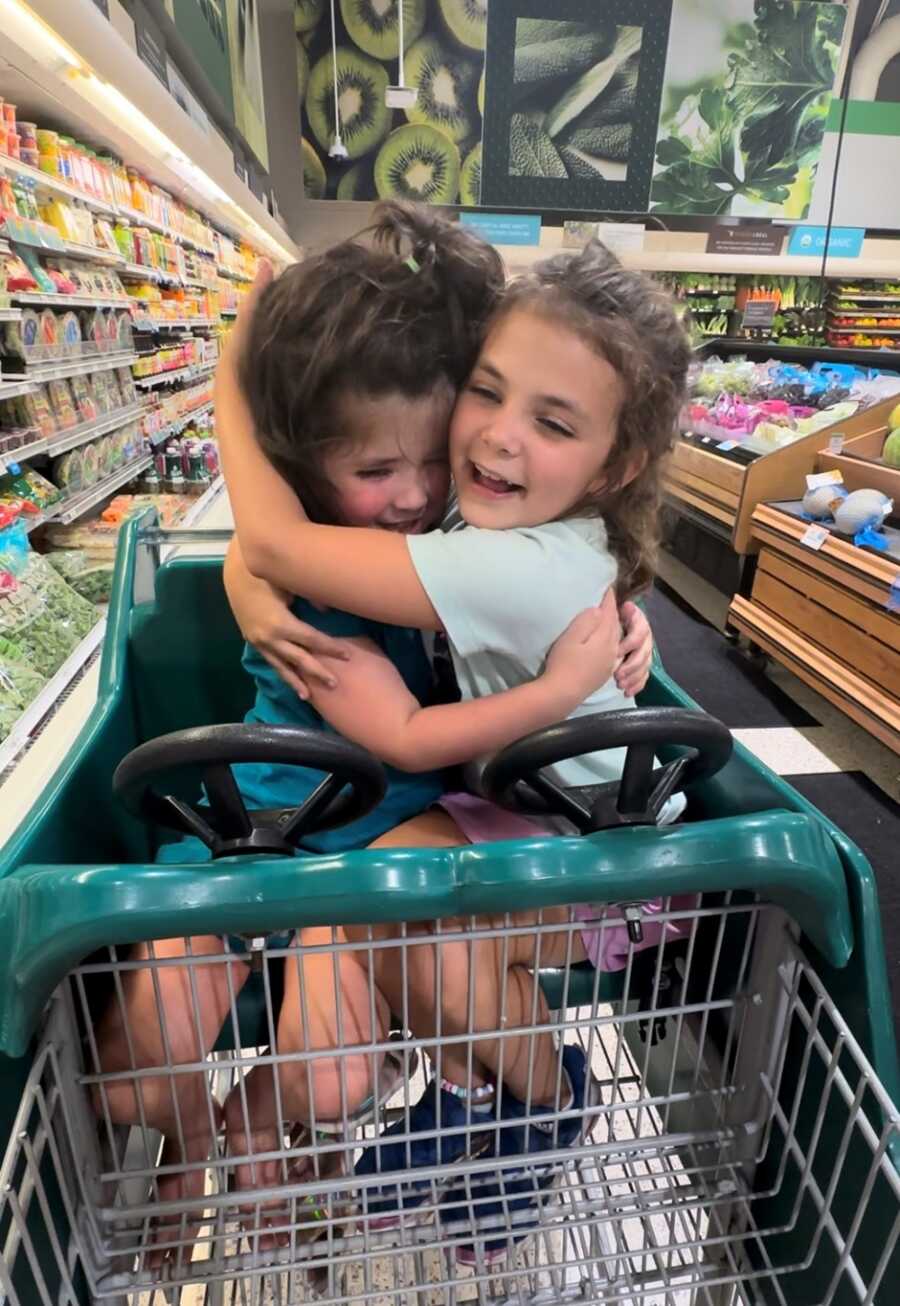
891,451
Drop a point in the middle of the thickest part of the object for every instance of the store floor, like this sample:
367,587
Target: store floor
848,775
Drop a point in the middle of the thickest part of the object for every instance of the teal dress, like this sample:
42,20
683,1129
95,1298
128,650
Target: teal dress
264,786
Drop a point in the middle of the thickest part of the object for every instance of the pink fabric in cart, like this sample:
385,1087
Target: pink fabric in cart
607,947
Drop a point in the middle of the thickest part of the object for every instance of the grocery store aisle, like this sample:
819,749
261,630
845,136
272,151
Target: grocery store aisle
850,777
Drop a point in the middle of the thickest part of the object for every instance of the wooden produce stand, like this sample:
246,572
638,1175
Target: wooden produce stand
728,490
832,615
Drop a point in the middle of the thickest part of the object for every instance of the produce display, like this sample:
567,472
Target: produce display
715,305
59,406
864,314
51,335
26,274
42,619
760,407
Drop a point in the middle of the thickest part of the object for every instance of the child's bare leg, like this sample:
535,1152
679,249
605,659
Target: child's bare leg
481,964
163,1017
487,986
407,977
329,1003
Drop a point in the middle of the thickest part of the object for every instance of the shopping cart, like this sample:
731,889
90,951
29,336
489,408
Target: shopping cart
739,1141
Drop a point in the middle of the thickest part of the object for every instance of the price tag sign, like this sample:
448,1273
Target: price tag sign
893,598
836,444
760,313
824,478
726,445
814,537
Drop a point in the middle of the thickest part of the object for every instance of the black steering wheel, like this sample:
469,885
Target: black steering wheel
515,779
354,783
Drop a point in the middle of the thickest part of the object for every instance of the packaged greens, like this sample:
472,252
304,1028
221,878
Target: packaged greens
20,685
40,614
89,577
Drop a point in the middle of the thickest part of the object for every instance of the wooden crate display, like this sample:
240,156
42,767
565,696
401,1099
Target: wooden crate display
860,468
729,492
825,614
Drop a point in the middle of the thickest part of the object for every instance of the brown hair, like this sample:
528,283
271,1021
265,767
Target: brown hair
631,323
401,308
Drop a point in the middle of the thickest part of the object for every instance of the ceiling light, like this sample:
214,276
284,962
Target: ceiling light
29,31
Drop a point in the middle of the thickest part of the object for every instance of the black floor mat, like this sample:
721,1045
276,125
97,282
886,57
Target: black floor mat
703,663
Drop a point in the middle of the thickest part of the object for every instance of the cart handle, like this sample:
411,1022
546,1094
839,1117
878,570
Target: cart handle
52,917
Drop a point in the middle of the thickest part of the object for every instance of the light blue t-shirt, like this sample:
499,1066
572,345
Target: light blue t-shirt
503,598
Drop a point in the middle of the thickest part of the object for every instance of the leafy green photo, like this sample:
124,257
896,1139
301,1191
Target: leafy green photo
574,92
748,88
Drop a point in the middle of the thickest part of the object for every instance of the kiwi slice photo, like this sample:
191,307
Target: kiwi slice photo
307,13
373,25
445,81
466,20
418,162
470,178
361,84
357,182
302,69
313,172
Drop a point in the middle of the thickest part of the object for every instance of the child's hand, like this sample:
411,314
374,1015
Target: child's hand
289,645
635,650
586,653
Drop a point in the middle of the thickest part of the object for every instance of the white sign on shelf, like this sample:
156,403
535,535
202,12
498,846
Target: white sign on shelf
814,537
824,478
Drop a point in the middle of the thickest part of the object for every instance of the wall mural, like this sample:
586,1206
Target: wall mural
431,151
671,106
573,94
747,92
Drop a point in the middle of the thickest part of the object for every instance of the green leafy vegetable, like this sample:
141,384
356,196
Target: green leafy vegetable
531,151
594,82
751,132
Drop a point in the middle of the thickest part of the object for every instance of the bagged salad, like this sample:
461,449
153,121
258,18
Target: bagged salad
91,577
40,615
20,685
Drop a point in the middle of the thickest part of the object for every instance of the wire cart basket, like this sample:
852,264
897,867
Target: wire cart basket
737,1142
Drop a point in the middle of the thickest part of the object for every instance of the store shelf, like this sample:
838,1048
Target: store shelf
15,456
54,185
141,273
11,389
66,367
91,430
176,427
10,314
66,301
866,298
163,378
232,275
173,324
49,696
203,504
76,505
92,254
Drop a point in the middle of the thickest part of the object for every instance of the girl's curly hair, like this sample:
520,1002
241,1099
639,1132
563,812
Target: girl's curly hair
630,322
399,309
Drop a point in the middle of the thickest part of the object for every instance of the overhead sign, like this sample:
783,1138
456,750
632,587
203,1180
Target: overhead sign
749,238
843,242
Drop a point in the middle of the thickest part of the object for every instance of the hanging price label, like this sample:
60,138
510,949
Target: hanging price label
893,598
824,478
814,537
